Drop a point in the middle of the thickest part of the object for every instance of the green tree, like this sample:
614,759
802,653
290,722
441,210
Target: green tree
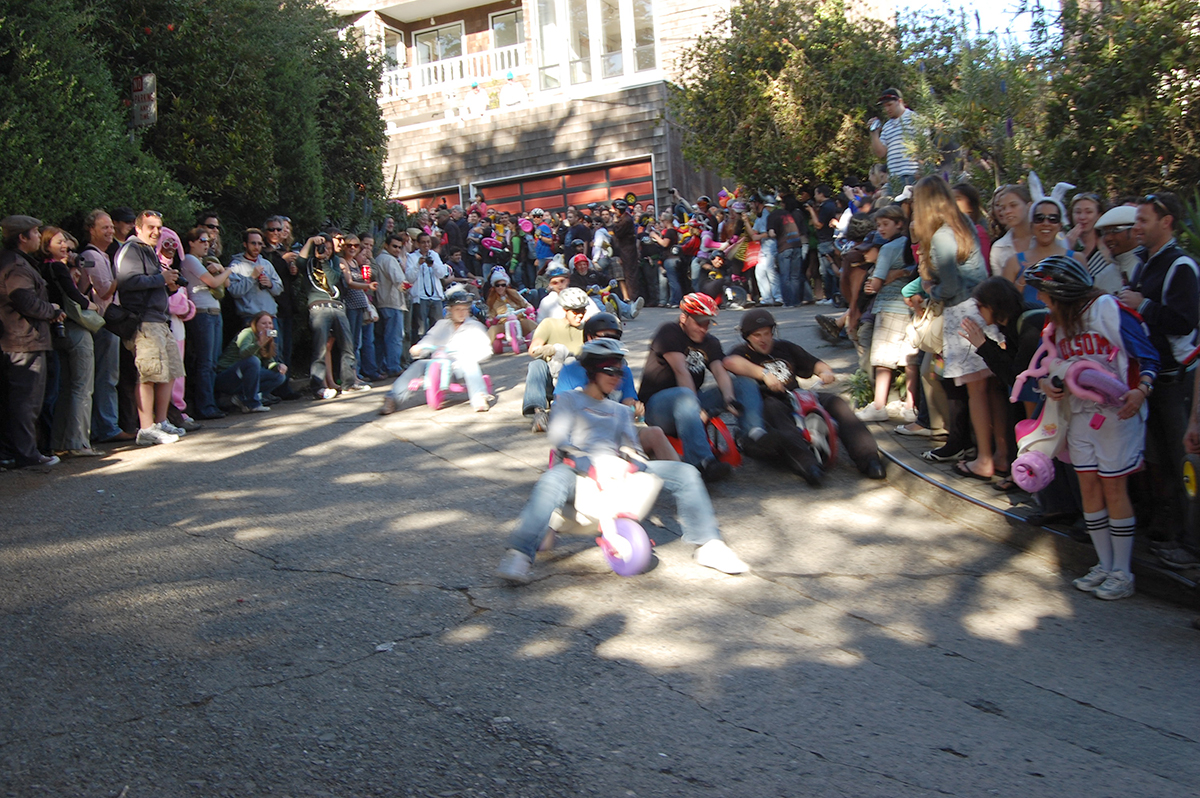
784,97
1122,114
62,126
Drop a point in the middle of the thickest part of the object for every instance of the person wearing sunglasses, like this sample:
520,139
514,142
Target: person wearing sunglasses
1115,229
588,424
211,222
681,353
1046,225
1165,292
503,299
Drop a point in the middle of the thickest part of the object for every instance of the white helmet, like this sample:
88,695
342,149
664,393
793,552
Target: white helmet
573,299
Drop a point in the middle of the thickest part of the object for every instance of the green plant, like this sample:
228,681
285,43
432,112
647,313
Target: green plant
861,387
1189,239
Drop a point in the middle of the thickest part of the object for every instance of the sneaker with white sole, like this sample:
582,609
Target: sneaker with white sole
516,567
153,436
190,424
171,429
324,393
872,412
635,307
358,387
716,555
1118,585
1092,579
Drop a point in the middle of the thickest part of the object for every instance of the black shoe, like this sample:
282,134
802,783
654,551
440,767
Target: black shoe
271,399
761,448
829,328
875,469
713,470
207,417
805,465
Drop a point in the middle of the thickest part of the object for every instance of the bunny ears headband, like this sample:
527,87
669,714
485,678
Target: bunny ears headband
1057,194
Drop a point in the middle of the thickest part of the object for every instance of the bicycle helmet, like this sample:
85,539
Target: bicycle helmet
1060,276
573,299
557,270
581,258
537,212
699,305
754,321
602,322
601,350
457,295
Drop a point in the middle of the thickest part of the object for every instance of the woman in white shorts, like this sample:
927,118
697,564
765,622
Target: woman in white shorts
1105,443
951,265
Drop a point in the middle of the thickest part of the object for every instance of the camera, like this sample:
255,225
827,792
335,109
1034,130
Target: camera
181,281
58,330
273,333
874,125
320,248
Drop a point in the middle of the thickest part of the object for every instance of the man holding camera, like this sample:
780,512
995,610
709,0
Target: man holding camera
25,316
893,139
327,316
143,285
428,276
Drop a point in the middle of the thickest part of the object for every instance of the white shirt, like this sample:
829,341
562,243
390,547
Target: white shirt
426,279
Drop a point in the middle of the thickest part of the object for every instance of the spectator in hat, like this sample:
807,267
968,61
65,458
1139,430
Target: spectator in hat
894,139
512,92
25,317
123,219
1115,229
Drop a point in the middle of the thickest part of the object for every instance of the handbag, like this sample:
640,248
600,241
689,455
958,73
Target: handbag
121,322
89,320
925,331
370,315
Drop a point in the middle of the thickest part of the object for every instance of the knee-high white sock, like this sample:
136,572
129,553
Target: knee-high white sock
1122,542
1097,527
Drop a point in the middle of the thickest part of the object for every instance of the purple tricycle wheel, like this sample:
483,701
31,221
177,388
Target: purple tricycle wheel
1033,471
639,558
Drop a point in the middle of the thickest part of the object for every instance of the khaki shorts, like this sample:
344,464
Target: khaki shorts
156,354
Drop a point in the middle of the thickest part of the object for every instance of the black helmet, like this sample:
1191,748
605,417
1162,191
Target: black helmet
602,322
621,205
601,350
1060,276
754,320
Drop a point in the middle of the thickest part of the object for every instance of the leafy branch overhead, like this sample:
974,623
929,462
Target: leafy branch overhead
780,93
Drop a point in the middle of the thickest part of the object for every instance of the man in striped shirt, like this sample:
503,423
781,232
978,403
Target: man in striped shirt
893,139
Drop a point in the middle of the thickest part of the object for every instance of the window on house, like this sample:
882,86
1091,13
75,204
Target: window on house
611,62
393,49
643,35
508,29
580,42
548,46
439,44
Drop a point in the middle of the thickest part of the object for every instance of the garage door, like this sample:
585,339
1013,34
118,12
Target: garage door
578,187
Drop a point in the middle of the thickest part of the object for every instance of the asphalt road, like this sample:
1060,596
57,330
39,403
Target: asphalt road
301,603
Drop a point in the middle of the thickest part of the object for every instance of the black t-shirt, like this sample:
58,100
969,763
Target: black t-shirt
787,361
658,374
586,280
826,213
581,232
787,226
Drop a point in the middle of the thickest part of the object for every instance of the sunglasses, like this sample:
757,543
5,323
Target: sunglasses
274,229
1152,199
611,371
703,323
206,224
168,245
501,285
203,240
152,213
1052,218
1120,228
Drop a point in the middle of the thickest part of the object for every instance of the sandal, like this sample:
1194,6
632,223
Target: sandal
1006,483
933,456
963,470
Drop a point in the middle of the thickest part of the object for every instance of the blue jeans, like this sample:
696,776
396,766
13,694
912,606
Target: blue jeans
248,380
329,321
393,323
557,486
283,344
72,424
426,313
470,373
107,350
539,387
677,412
791,274
204,337
363,336
671,267
829,278
767,274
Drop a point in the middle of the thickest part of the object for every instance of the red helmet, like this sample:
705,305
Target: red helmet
699,305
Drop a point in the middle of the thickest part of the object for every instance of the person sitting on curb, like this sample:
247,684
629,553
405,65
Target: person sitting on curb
248,367
573,375
587,422
680,354
554,341
464,340
774,365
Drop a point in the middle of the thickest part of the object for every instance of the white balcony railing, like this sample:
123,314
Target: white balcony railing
452,73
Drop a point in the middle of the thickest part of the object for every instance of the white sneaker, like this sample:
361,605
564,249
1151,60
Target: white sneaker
716,555
324,393
516,567
358,387
260,409
872,412
1118,585
636,307
152,436
1091,580
171,429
